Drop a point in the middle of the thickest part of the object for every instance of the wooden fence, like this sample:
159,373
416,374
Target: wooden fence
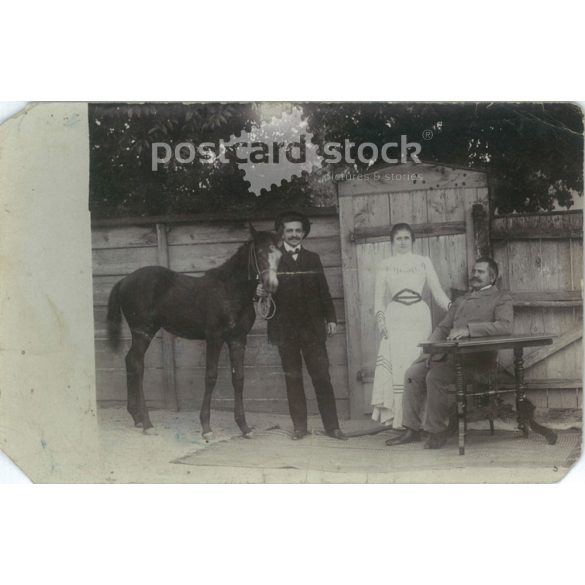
541,259
541,256
174,367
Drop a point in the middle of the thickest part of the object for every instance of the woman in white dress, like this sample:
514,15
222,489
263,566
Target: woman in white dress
403,320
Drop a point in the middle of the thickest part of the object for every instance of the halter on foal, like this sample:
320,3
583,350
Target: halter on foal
217,307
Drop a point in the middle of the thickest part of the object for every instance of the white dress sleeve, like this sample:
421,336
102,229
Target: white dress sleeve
435,286
380,290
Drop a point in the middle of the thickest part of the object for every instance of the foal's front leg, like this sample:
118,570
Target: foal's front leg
214,346
237,351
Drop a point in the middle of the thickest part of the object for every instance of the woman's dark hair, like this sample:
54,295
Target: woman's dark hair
399,227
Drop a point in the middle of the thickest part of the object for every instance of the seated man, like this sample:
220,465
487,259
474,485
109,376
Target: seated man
483,311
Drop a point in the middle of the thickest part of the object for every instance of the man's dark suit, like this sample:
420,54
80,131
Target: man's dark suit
303,307
484,313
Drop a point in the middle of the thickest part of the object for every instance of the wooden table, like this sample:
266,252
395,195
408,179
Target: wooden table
524,408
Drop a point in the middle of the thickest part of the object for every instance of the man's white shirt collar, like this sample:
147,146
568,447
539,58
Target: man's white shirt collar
294,250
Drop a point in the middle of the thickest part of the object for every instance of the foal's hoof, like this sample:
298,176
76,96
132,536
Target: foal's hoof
138,424
248,434
150,431
207,436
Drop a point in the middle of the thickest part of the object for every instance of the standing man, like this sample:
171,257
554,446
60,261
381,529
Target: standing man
304,317
483,311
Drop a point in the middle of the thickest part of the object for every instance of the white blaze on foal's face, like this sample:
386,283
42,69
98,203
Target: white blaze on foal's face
293,233
274,256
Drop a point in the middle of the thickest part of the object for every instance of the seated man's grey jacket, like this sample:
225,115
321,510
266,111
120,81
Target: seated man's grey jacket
484,313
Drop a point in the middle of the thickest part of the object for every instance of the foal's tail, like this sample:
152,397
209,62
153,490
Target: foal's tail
114,318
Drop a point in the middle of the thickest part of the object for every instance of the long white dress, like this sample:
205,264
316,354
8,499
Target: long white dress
400,279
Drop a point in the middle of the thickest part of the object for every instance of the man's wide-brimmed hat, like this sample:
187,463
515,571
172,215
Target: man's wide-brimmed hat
285,216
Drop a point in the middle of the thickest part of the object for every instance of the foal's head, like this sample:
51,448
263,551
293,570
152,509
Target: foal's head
265,257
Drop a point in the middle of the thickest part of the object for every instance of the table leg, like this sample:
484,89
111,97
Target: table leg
520,390
460,388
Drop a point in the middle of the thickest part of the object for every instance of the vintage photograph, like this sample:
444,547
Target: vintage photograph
313,292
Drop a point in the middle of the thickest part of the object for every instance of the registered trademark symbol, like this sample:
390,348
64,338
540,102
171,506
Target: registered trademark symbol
427,134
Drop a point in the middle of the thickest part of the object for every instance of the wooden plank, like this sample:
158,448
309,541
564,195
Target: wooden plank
352,313
449,268
412,177
259,353
400,209
565,363
122,261
524,266
382,232
507,381
538,226
533,357
168,342
238,232
529,297
500,251
419,210
555,400
202,257
259,327
111,384
576,214
576,253
106,358
123,237
370,211
102,286
469,200
455,205
527,321
236,216
551,265
568,397
260,383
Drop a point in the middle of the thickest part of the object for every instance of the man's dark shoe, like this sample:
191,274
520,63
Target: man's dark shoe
436,440
337,434
407,436
298,435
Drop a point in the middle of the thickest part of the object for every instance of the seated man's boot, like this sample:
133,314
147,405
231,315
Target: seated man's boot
407,436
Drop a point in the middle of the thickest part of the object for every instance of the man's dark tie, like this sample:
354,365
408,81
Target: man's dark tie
294,254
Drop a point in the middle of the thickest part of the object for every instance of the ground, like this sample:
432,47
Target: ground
178,454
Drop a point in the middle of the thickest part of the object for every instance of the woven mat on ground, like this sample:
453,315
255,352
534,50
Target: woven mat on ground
273,449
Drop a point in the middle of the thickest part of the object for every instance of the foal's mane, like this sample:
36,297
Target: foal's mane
238,262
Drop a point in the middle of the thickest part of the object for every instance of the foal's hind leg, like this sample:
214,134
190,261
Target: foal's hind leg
135,378
214,346
237,352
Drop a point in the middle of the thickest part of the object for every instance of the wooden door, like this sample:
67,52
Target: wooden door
437,203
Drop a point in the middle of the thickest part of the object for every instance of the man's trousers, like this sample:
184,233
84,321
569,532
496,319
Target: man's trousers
426,390
317,361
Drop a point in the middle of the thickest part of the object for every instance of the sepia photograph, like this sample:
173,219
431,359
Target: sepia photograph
303,292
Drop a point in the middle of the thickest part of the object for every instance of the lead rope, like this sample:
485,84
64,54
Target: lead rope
265,306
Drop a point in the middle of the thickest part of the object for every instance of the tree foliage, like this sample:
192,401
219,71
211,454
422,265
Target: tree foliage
533,151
